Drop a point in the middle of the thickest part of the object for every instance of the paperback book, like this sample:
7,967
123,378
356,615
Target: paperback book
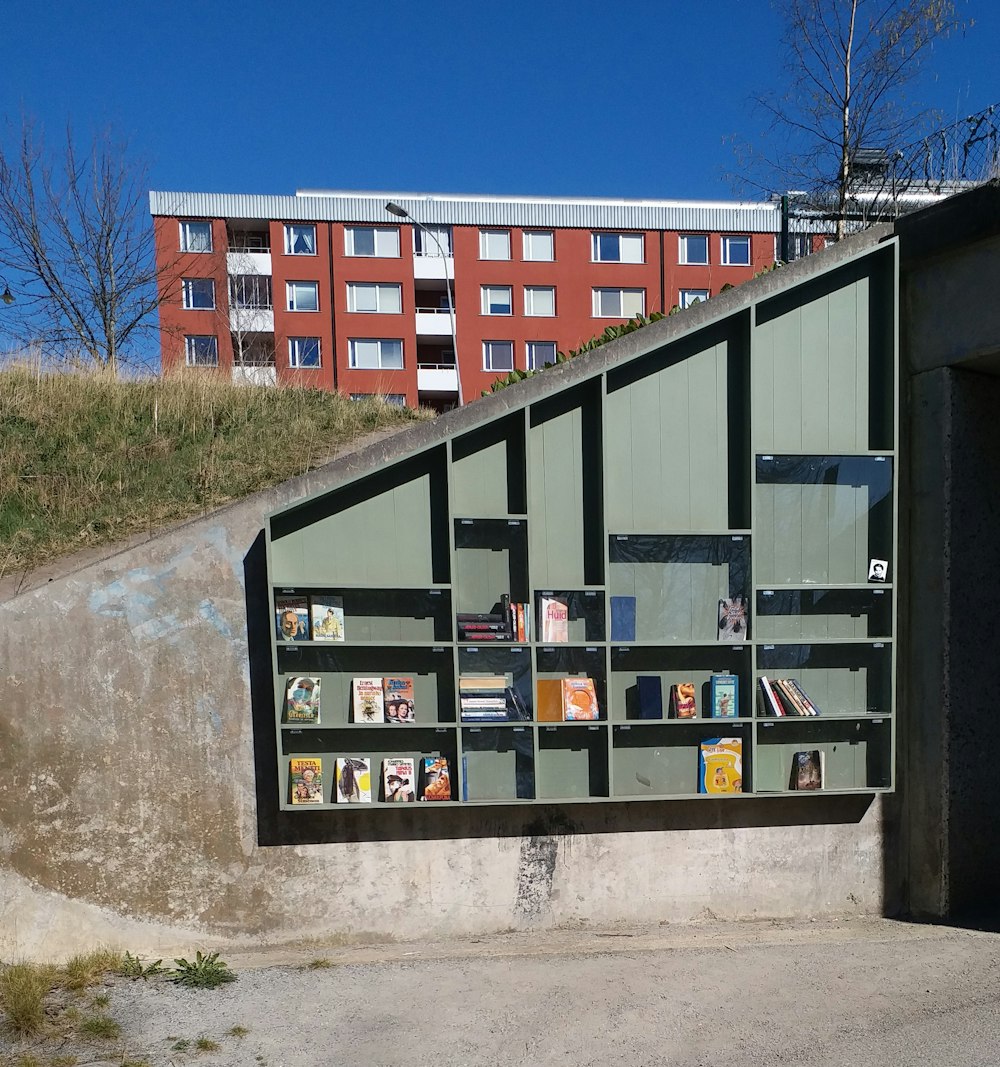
302,700
354,780
292,618
437,779
554,612
305,778
399,780
733,619
720,767
398,699
579,699
682,701
807,770
328,618
725,696
368,701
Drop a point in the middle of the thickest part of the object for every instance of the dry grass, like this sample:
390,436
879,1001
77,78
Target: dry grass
23,989
89,459
88,968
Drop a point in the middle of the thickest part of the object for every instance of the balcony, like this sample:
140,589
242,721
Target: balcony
437,378
433,322
433,267
248,262
251,375
251,319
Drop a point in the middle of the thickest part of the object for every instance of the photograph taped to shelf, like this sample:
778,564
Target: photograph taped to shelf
877,570
398,699
302,697
733,614
327,618
354,780
399,780
291,618
305,780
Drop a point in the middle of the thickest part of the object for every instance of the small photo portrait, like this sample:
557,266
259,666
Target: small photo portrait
877,569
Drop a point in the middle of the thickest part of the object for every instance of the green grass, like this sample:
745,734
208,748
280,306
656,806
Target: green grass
206,1044
88,460
101,1026
237,1031
321,963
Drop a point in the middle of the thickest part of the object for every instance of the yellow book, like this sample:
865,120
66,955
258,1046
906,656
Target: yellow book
721,765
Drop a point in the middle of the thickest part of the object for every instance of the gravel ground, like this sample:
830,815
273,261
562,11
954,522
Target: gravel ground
858,993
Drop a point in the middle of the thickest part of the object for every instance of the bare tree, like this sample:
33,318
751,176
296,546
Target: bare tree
77,246
842,110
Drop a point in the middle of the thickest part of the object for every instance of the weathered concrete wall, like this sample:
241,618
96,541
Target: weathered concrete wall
129,796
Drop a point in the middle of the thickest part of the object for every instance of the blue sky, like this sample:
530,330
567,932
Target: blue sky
634,99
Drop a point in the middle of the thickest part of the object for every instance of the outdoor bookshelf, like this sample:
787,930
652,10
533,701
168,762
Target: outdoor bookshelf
753,457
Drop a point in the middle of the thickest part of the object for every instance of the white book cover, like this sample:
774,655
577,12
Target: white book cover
369,703
555,620
354,780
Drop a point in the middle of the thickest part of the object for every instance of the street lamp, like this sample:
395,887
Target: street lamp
6,296
395,209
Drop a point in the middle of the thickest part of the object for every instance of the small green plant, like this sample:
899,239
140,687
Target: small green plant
102,1000
237,1031
101,1026
181,1045
72,1061
27,1060
133,967
204,972
206,1044
321,963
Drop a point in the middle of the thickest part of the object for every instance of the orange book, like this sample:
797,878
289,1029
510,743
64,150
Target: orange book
579,699
548,702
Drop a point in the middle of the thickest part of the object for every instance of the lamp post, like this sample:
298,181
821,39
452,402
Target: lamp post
395,209
6,296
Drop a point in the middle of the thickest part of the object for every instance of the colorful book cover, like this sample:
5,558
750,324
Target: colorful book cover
437,779
291,618
579,699
398,699
807,770
302,700
354,780
725,696
328,618
399,780
554,611
733,619
803,696
771,706
305,779
682,701
720,767
369,704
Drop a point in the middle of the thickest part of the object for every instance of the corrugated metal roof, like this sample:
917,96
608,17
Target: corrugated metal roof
696,215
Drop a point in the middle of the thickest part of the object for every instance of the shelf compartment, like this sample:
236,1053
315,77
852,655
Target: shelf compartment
849,679
677,581
674,664
822,614
488,469
432,670
497,764
586,614
650,759
821,519
514,661
378,615
491,558
572,763
857,753
565,661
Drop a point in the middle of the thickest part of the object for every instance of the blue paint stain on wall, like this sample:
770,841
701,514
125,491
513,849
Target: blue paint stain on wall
208,611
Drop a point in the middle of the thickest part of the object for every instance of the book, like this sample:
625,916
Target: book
769,700
807,770
682,701
305,779
291,618
554,613
368,703
644,700
720,765
733,619
516,708
354,780
725,691
790,701
399,781
302,700
548,700
327,618
803,696
397,692
579,699
437,779
476,616
623,618
471,682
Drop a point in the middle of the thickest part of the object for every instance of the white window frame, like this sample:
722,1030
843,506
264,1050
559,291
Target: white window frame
728,241
631,243
682,250
385,242
486,290
687,297
488,355
530,292
527,245
533,363
295,347
290,238
487,237
290,295
184,236
352,298
599,314
187,291
190,354
353,343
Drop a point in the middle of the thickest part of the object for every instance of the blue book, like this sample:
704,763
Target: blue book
623,618
725,696
644,700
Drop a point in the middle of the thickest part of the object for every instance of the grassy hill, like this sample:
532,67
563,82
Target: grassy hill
86,459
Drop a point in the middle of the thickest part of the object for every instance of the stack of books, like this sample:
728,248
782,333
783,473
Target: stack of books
489,698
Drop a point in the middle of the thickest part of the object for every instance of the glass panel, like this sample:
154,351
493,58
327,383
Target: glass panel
390,299
737,250
300,240
609,303
695,249
665,759
361,241
538,245
303,296
606,247
304,351
387,243
540,353
540,301
196,237
364,354
823,614
633,303
572,763
853,755
202,351
631,245
496,300
499,355
364,297
199,293
498,763
392,354
838,679
496,244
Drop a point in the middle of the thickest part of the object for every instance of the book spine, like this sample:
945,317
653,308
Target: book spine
492,627
477,635
505,612
474,616
809,705
771,699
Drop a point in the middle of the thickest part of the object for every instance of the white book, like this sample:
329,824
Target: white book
369,702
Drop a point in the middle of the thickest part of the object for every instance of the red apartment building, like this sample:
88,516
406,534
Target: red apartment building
334,290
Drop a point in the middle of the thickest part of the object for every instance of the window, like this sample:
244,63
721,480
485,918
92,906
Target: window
694,248
494,244
370,354
692,296
617,247
619,303
498,355
736,251
380,241
539,245
399,399
201,351
302,296
303,352
385,297
423,240
250,291
539,353
539,300
196,237
300,240
198,294
497,300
